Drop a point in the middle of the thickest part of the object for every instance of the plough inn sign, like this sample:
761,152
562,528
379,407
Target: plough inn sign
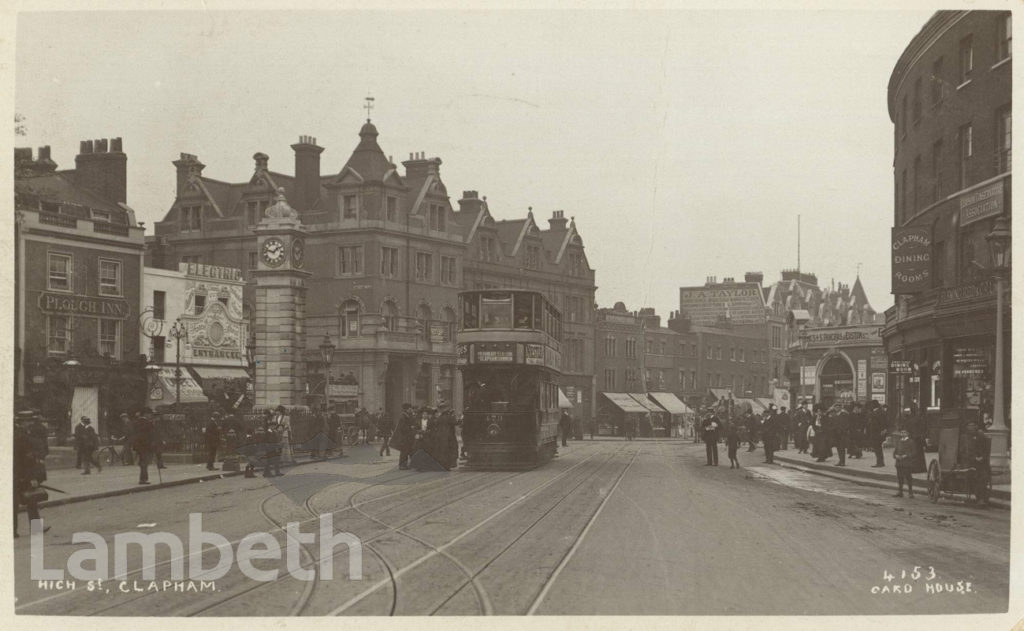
68,304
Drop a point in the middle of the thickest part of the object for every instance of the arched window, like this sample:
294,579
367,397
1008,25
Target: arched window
348,318
389,313
423,316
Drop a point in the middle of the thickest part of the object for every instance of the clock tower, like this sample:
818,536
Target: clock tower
280,312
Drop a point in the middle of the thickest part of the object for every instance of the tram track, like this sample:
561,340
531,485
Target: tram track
436,551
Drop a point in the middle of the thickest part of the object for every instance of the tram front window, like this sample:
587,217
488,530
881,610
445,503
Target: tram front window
501,392
496,311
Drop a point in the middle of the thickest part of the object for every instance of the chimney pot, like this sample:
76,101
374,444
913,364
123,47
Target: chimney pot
115,145
85,146
44,153
100,145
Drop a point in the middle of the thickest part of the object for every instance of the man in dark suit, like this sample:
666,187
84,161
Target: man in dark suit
143,443
87,442
975,449
564,427
841,430
709,431
405,434
876,430
769,433
211,436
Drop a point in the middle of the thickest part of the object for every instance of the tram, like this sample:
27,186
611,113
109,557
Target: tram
507,348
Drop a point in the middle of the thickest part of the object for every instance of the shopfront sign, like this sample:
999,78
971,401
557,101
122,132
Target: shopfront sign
878,359
911,259
533,354
900,366
343,390
966,293
83,305
211,271
827,338
439,332
877,382
981,204
970,361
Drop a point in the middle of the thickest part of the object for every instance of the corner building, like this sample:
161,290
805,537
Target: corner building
386,255
949,98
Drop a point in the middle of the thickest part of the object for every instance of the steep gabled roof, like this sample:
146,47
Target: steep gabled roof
368,160
528,226
60,187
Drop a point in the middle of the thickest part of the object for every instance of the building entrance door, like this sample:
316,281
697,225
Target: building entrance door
836,381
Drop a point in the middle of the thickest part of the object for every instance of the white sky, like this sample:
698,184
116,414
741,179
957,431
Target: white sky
685,143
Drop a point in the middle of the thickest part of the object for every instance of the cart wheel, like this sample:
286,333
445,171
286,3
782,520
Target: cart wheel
934,481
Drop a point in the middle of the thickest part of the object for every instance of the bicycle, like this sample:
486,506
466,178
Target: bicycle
110,454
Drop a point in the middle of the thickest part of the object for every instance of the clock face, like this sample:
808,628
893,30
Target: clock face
273,252
298,252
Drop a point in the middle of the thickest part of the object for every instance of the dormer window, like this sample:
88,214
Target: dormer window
391,208
254,211
437,217
349,206
190,218
532,257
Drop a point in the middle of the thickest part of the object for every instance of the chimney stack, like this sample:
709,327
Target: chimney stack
187,165
101,170
307,173
418,166
557,221
754,277
471,202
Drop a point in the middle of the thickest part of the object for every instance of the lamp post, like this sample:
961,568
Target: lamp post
327,354
177,331
999,247
152,368
250,358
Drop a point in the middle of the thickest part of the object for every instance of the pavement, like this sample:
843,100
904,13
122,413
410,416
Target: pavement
862,471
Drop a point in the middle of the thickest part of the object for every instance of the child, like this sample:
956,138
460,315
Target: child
904,453
732,442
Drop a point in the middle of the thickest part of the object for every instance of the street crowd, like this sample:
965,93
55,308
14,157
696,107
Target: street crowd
840,430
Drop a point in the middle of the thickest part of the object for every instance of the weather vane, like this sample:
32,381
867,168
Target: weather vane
368,107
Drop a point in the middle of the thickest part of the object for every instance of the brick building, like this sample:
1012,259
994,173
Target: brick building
384,257
78,273
949,99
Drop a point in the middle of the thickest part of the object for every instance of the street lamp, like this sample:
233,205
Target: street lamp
250,358
327,354
70,364
999,247
177,331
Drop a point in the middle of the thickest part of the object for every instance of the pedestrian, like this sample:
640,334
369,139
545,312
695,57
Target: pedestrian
858,430
87,442
801,421
732,443
840,431
333,433
363,424
158,442
975,450
143,444
273,439
29,474
37,433
448,454
769,434
318,435
785,427
283,433
753,429
904,454
211,435
384,429
876,430
404,436
822,450
709,430
564,427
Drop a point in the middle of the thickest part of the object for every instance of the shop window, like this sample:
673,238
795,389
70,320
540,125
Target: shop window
935,387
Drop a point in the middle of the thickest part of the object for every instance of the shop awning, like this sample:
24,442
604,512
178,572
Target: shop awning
721,392
563,401
625,402
670,402
648,405
221,372
190,391
754,404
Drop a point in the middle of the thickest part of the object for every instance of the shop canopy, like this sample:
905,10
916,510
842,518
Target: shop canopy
670,402
755,406
625,402
221,372
649,405
167,391
563,401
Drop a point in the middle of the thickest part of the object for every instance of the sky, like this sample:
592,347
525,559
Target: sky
685,143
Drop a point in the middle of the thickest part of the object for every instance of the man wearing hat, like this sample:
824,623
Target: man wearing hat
143,442
709,431
212,439
86,443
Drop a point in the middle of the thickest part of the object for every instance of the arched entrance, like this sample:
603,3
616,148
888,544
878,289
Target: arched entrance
836,381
